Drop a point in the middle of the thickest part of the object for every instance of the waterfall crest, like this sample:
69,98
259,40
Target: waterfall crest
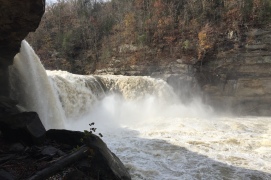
31,87
77,93
80,94
137,87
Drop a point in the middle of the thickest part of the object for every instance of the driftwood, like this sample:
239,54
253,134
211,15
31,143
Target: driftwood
62,163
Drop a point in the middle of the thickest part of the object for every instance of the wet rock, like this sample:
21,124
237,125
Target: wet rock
64,136
16,147
106,159
76,174
52,151
7,106
4,175
25,126
103,160
49,151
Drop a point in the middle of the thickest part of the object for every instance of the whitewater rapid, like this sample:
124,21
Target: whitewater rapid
142,121
158,137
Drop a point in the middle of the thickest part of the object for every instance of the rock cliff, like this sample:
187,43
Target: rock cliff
235,77
240,77
17,19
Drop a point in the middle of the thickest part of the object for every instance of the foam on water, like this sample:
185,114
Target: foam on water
158,137
190,148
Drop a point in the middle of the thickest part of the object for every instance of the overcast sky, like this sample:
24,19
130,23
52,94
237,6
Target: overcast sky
50,1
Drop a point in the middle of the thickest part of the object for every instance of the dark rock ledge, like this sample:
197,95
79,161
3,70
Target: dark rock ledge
17,19
28,151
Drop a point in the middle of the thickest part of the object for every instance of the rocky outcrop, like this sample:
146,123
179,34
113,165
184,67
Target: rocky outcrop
17,19
239,79
103,164
16,125
7,107
29,152
25,126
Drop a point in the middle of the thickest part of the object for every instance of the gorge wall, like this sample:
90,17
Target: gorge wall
240,77
17,19
235,77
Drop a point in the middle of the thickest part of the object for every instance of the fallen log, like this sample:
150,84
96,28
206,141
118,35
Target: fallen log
61,163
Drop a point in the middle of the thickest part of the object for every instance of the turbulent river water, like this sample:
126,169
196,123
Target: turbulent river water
144,123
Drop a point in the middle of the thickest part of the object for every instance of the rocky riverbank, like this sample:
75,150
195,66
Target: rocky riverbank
28,151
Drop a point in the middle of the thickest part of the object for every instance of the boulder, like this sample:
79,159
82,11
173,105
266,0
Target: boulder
71,138
102,159
7,106
25,126
49,151
106,159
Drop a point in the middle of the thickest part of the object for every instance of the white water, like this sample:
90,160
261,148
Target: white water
158,137
31,87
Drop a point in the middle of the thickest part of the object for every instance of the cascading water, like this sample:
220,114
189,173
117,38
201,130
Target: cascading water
31,87
155,135
77,93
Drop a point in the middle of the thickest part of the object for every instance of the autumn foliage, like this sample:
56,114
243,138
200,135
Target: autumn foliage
81,35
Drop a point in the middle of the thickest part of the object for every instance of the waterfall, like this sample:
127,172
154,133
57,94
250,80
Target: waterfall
159,137
144,123
33,90
77,93
81,94
60,97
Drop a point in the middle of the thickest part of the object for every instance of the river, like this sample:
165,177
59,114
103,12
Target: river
156,135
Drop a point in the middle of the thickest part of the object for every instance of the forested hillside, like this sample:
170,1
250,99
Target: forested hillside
84,35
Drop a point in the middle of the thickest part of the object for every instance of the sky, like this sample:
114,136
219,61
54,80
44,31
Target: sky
49,1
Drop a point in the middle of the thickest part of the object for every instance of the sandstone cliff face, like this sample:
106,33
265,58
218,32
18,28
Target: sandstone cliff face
240,78
17,19
236,77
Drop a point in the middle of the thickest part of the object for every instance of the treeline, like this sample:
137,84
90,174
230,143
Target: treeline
79,35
